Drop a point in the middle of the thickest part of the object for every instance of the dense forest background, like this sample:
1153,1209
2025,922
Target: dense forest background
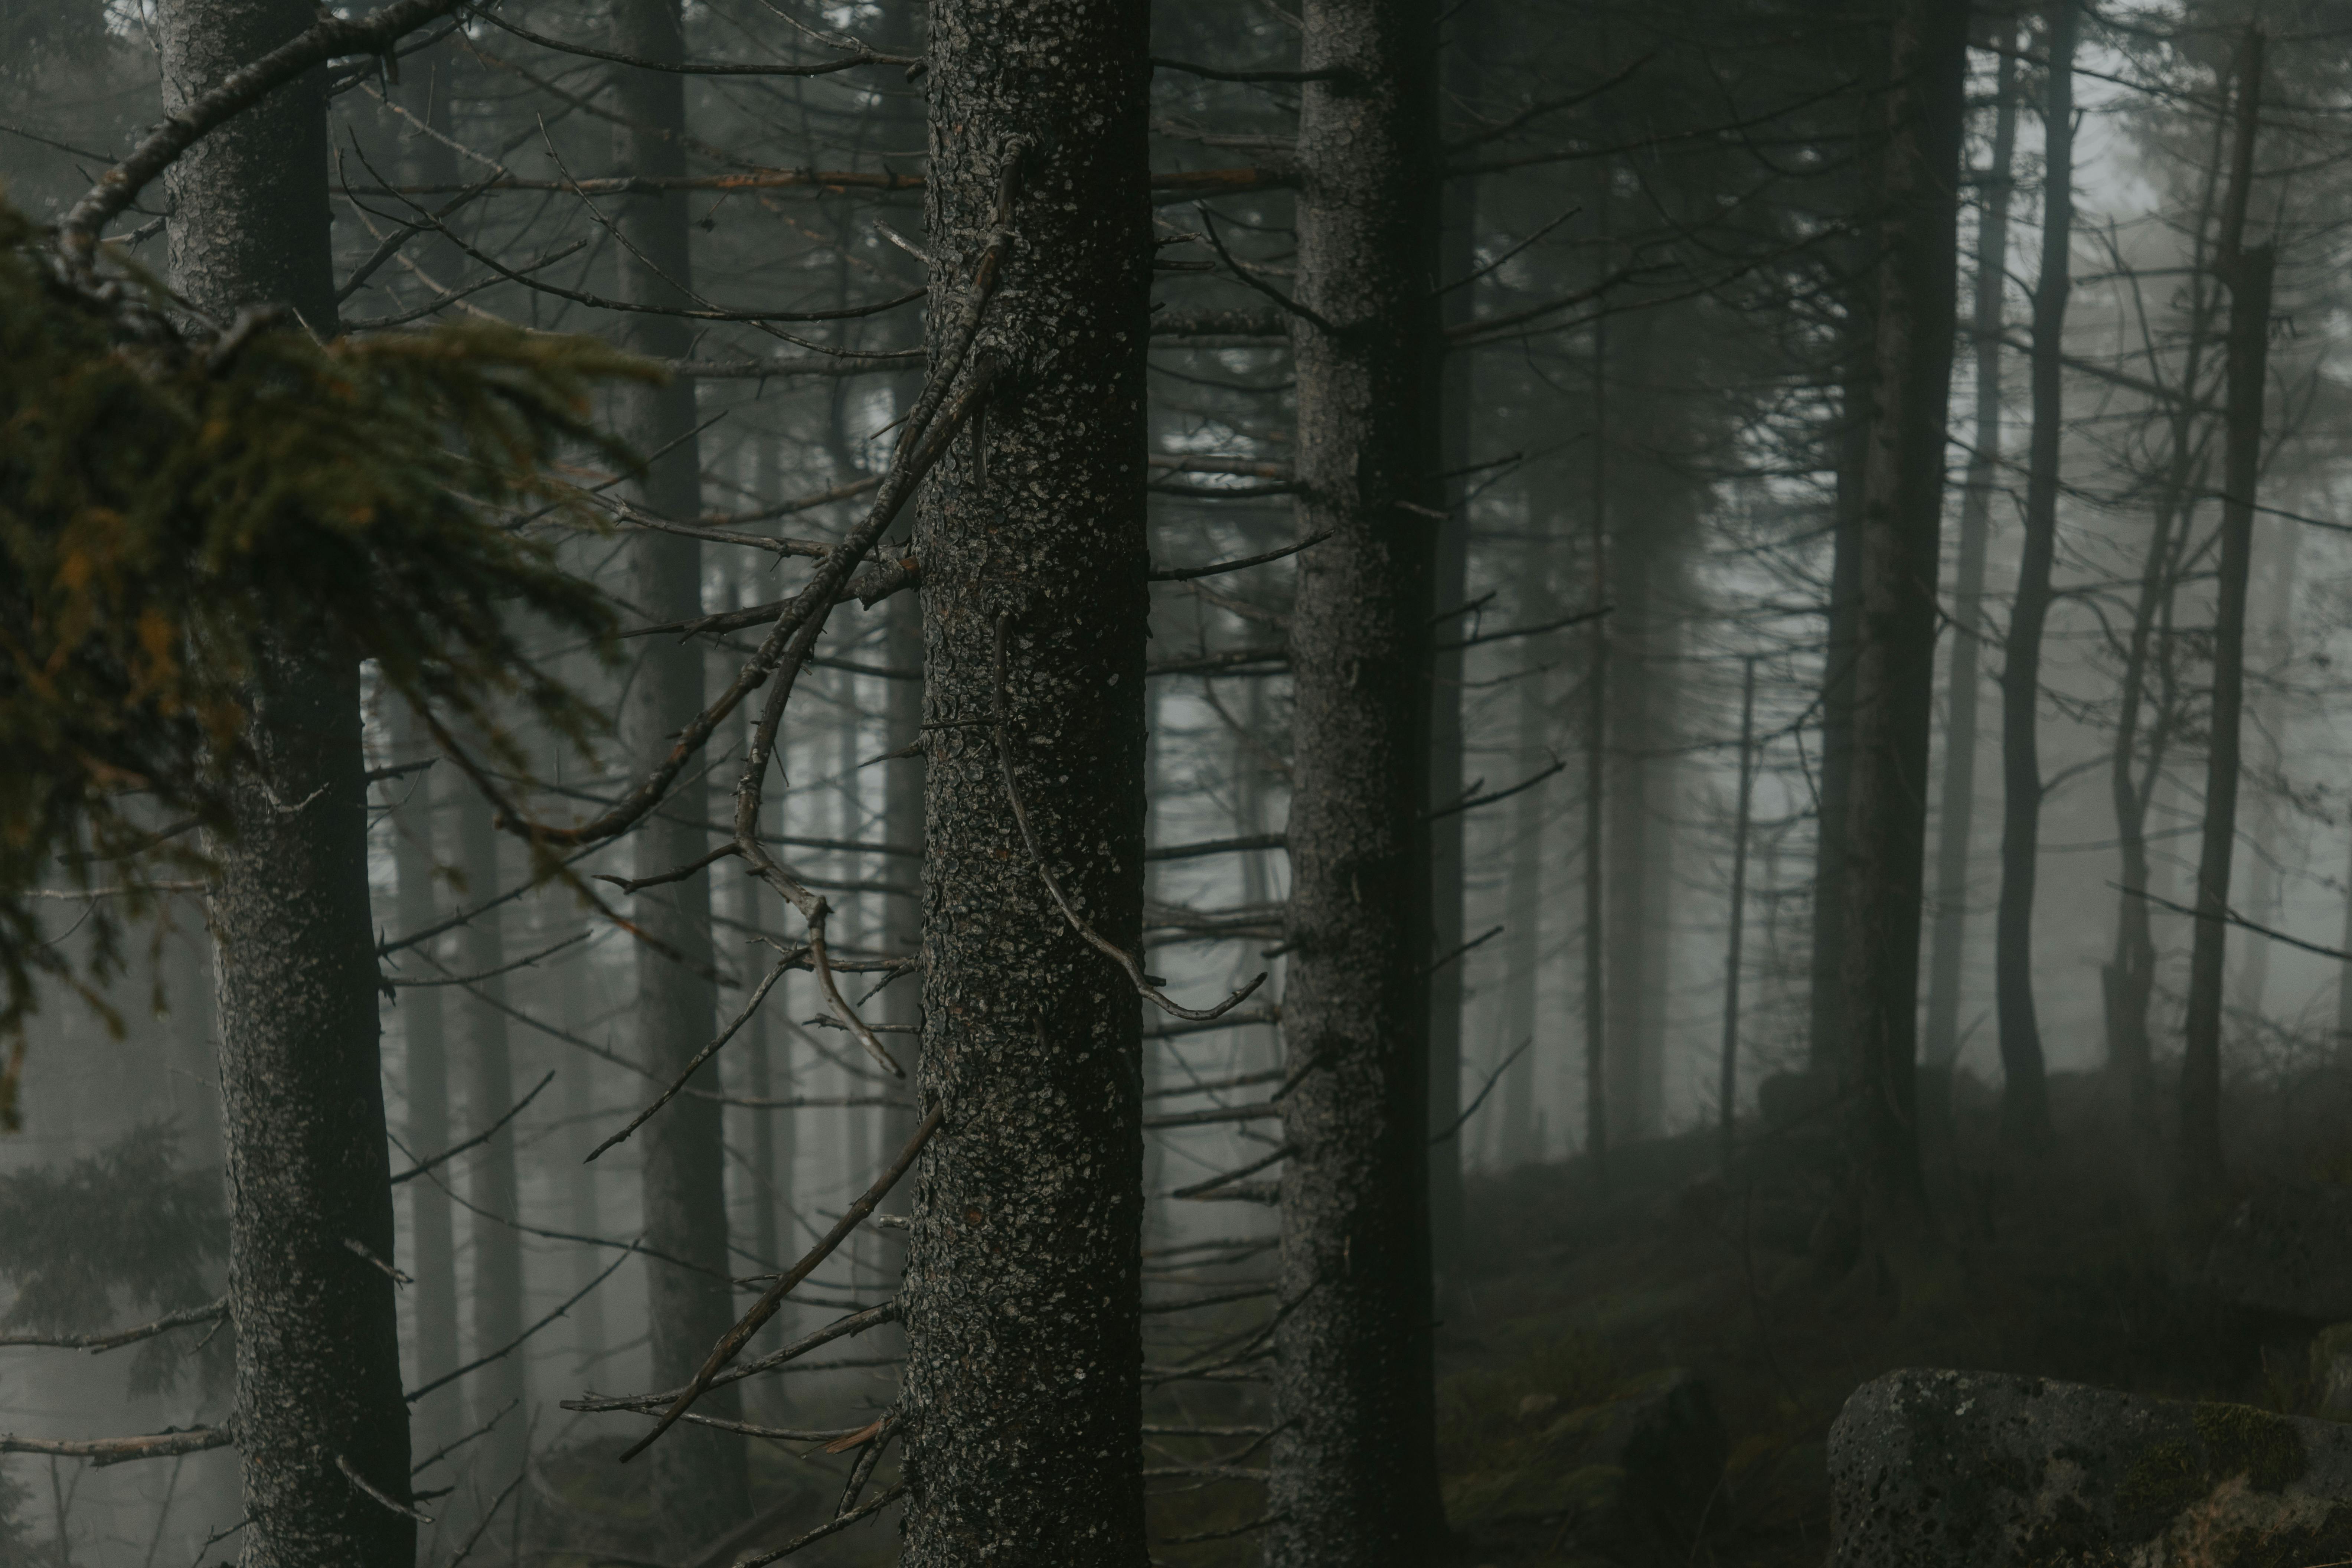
1653,258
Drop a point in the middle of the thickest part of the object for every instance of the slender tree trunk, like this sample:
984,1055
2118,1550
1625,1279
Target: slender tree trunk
2025,1096
432,1259
2247,272
1524,900
1829,1031
1354,1472
317,1339
585,1210
490,1170
700,1483
1596,737
1022,1396
1727,1088
2343,972
1895,644
1948,946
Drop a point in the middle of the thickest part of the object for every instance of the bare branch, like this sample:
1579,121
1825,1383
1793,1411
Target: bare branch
210,1312
102,1451
478,1138
750,1006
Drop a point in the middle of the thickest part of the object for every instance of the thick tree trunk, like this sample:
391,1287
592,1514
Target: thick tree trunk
491,1181
1947,944
1895,643
1354,1474
2247,272
433,1257
1021,1398
311,1226
699,1478
2025,1096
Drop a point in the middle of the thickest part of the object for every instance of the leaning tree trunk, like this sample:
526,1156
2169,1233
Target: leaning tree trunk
1354,1470
2247,272
1947,944
700,1482
1021,1394
2025,1095
1899,538
311,1227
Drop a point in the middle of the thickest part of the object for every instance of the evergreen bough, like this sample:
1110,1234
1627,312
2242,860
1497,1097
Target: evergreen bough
172,495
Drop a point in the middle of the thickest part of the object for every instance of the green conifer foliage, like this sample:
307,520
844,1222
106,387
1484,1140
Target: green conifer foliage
168,496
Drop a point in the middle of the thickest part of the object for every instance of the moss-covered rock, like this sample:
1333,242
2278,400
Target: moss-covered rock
1949,1470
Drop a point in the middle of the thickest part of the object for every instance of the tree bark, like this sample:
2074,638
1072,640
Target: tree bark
1947,945
1895,643
2247,272
1020,1397
318,1346
1354,1472
700,1482
2025,1096
432,1256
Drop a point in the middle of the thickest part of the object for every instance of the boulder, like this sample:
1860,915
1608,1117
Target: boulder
1631,1480
1957,1470
2287,1251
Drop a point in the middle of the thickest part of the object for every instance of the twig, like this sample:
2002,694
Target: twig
734,1340
103,1451
523,962
1190,573
489,1514
700,1057
855,1323
1079,922
880,1502
484,1136
1493,1078
113,1339
351,1474
414,1394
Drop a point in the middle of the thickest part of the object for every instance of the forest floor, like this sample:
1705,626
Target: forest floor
2072,1265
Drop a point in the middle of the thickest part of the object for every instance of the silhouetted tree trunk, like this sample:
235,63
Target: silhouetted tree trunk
432,1256
1354,1473
1947,944
700,1480
1827,1032
1523,905
1021,1394
318,1346
1899,546
1727,1085
2025,1098
490,1170
2247,270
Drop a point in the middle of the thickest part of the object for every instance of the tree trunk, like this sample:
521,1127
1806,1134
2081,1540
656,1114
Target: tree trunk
490,1170
2025,1096
2247,272
433,1257
1828,1031
1354,1472
1727,1087
1948,946
1524,901
1895,641
317,1339
1022,1397
700,1483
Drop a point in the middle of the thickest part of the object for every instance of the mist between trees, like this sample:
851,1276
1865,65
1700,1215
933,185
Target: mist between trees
1247,769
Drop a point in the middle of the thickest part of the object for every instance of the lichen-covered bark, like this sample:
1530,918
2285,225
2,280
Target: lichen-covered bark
318,1351
1021,1394
1899,535
700,1481
1353,1474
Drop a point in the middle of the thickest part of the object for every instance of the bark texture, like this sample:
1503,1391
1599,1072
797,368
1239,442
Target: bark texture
2025,1096
1900,528
318,1349
1020,1395
700,1481
1353,1470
